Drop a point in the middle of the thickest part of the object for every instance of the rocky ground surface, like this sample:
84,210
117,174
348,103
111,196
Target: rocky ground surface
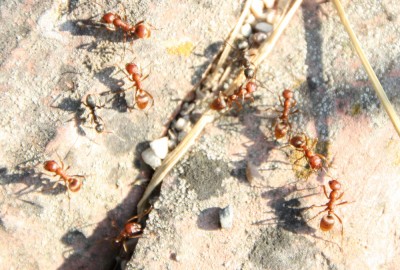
52,56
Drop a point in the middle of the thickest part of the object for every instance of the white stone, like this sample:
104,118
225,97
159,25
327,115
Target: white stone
160,147
257,8
180,124
263,27
246,30
226,217
271,16
150,158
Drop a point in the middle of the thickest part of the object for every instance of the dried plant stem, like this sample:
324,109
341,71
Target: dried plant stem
269,44
233,35
208,116
175,156
372,76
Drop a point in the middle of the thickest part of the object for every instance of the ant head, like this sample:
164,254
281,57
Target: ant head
74,184
335,185
219,103
90,101
251,87
99,128
109,17
132,68
132,228
297,141
327,222
51,166
142,31
287,94
249,73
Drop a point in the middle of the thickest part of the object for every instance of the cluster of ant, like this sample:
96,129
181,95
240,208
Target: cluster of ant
300,142
243,93
142,99
283,128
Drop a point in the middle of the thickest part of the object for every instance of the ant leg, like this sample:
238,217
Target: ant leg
341,223
297,160
140,215
326,194
125,247
313,206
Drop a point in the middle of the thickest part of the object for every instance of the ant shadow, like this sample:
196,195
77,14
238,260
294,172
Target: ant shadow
208,219
287,212
33,181
84,252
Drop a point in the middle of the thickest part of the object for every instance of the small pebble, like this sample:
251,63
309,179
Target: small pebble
150,158
243,44
258,38
263,27
246,30
171,144
252,172
269,3
257,8
172,135
226,217
250,19
187,108
271,16
160,147
180,124
182,135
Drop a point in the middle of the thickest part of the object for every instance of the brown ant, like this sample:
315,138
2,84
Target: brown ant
283,126
91,104
72,184
132,229
300,142
328,221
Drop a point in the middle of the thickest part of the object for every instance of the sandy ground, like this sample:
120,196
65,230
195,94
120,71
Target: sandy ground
52,58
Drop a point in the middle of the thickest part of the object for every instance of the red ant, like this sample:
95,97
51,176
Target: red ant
72,184
132,229
142,97
328,221
244,92
283,126
300,142
140,29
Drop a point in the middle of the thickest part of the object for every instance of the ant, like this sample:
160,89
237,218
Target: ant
141,29
300,142
142,97
91,104
132,229
72,184
328,221
283,126
244,92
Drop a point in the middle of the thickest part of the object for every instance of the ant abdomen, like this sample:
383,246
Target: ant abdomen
327,223
281,129
315,162
142,31
74,184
